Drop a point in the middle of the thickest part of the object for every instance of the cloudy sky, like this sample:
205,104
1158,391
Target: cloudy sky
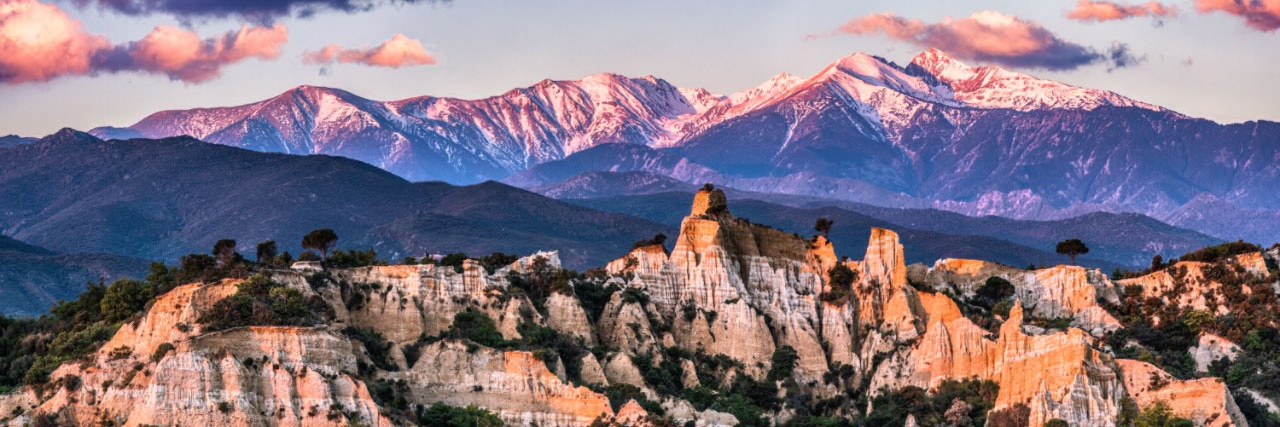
88,63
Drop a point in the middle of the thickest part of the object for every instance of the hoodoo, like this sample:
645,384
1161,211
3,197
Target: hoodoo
738,320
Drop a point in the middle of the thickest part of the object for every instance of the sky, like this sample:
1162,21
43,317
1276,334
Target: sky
89,63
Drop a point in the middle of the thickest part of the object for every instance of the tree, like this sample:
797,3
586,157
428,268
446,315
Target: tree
708,187
823,226
1071,248
1160,415
1057,422
840,287
320,240
266,252
224,251
1157,263
123,298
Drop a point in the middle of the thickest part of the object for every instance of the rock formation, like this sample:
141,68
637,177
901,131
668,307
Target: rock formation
1205,401
728,289
1049,293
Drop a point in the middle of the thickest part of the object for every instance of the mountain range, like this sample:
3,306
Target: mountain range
103,207
35,278
160,199
934,133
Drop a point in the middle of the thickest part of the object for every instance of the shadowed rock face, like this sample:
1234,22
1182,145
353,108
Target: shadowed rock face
728,287
1058,375
1048,293
1205,401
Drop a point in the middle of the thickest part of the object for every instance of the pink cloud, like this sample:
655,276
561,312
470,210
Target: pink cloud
399,51
182,55
1262,15
1088,10
984,36
39,42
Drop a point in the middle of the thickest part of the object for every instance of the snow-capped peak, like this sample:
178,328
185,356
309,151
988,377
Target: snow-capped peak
941,65
765,92
995,87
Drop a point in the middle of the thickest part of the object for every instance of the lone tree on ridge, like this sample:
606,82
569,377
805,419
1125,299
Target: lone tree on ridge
823,226
320,240
1071,248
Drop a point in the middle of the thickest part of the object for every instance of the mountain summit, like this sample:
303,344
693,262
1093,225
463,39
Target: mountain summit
466,141
994,87
934,133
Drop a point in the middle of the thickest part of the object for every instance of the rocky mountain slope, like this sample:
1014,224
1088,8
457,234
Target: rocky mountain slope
14,140
975,140
160,199
32,278
739,324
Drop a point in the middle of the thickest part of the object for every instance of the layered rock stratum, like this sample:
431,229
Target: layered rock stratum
728,290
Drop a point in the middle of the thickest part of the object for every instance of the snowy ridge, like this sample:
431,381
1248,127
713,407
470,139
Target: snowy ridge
994,87
464,141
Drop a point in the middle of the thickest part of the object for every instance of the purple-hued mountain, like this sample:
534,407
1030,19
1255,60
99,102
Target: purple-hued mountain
934,133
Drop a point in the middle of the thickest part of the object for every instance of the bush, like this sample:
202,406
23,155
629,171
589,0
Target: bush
123,298
1018,415
162,350
840,285
444,415
497,260
266,252
783,363
261,302
657,239
477,327
541,281
353,258
379,349
454,260
594,296
995,290
635,295
1222,251
930,409
1160,415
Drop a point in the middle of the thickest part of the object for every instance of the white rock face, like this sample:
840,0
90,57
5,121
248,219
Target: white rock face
284,376
1210,348
1071,381
513,384
1048,293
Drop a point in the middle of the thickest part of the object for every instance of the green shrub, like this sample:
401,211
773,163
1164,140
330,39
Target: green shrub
444,415
1160,415
123,298
1219,252
378,348
619,394
840,285
454,260
259,301
477,327
783,363
497,260
162,350
635,295
352,258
